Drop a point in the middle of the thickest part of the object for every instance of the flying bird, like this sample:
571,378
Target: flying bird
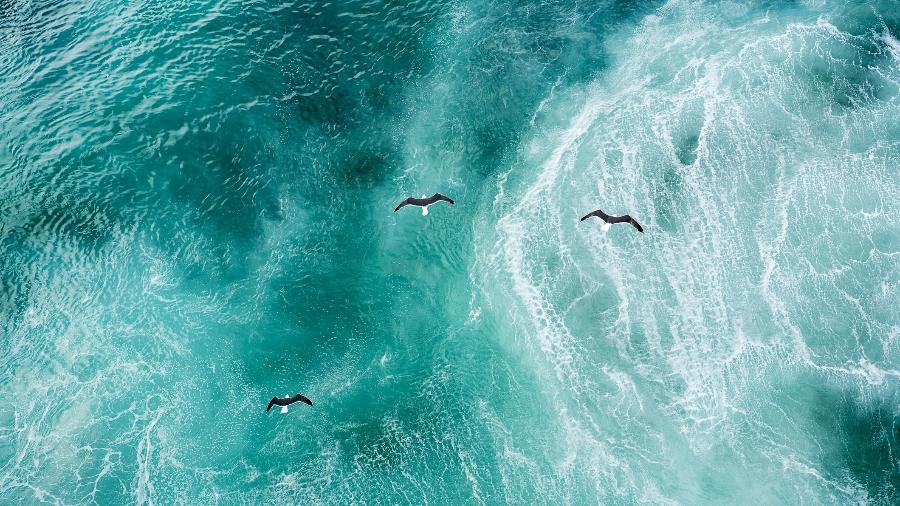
424,202
611,220
287,401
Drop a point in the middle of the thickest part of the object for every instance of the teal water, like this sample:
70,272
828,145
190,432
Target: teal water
196,204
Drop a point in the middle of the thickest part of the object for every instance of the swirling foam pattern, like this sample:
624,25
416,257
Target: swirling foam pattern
196,214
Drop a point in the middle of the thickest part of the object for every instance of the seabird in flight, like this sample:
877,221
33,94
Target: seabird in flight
611,220
424,202
287,401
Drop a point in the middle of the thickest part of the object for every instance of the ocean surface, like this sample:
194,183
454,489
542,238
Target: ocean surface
196,214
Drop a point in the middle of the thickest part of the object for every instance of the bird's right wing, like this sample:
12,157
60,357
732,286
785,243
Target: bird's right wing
271,403
441,196
302,398
404,203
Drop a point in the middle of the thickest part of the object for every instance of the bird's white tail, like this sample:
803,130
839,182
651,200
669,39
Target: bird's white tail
606,227
284,409
424,210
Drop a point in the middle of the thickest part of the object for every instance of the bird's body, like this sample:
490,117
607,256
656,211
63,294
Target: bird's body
424,202
612,220
287,401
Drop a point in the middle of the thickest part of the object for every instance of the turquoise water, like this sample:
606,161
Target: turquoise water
196,214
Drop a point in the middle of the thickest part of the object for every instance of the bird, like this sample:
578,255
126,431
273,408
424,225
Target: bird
611,220
424,202
287,401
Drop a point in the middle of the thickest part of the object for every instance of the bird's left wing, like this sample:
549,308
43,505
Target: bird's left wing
635,224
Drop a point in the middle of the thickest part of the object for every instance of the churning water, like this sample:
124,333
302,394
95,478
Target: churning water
196,214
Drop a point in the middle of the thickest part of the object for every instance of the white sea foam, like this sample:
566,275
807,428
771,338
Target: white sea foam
705,307
892,44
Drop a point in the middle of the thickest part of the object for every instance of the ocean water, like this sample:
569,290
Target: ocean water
196,214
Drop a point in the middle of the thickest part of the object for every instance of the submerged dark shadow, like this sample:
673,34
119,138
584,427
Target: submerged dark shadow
864,436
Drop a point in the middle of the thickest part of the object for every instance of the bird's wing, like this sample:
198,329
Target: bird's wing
404,203
598,213
441,196
302,398
271,403
635,223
